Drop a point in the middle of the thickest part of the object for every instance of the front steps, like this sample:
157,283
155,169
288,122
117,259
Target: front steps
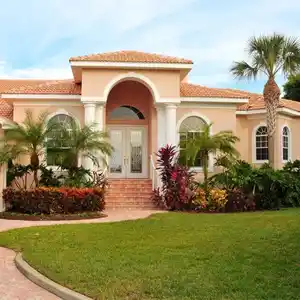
129,194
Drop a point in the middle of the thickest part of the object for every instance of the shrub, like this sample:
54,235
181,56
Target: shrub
217,199
239,201
54,200
176,193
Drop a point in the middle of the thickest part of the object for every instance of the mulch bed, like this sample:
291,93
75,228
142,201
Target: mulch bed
8,215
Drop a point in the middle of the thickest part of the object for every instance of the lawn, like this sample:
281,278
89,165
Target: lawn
172,256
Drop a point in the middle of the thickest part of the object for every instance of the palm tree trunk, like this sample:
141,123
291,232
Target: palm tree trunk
205,173
271,97
35,163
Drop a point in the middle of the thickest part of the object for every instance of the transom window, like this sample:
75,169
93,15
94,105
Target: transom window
126,112
58,149
285,143
261,139
190,128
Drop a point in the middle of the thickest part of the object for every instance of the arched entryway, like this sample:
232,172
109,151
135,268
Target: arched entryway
129,114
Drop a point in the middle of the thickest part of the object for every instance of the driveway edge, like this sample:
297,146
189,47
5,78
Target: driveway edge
46,283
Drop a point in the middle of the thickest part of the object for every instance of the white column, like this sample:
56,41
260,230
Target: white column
89,113
161,127
171,135
89,118
99,118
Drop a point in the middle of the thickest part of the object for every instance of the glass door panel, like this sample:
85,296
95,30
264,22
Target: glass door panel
116,161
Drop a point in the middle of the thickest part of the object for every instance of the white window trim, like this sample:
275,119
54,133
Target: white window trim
49,117
254,160
207,121
289,144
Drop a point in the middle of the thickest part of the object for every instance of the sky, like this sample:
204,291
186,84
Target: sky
38,37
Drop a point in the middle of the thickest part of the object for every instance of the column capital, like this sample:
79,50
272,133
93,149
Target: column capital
171,105
89,104
93,100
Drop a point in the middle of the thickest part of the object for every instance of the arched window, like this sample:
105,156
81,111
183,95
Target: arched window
126,112
58,148
285,143
261,143
190,128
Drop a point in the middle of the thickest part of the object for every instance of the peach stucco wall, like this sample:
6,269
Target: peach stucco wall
37,107
95,81
222,118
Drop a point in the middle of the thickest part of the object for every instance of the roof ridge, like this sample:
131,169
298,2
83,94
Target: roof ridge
128,56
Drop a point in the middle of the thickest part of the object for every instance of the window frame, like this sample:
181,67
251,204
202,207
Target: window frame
50,117
289,148
205,120
254,135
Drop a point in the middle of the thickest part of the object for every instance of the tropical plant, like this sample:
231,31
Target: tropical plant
206,143
292,88
270,55
176,193
28,138
85,142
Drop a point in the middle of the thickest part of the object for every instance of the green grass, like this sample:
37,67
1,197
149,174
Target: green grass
171,256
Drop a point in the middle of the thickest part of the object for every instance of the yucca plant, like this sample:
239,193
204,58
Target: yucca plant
270,56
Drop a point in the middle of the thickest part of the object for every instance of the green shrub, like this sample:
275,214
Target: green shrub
54,200
268,188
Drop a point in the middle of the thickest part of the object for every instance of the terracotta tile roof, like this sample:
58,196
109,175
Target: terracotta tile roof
7,84
256,101
194,90
6,110
131,56
61,87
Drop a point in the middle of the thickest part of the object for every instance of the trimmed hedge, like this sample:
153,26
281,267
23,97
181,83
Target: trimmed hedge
54,200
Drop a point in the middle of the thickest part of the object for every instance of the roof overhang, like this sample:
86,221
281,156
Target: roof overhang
281,110
40,96
77,67
214,100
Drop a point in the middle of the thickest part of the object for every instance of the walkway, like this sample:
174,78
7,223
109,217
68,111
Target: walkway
13,285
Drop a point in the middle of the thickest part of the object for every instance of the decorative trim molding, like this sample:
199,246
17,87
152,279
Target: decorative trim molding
214,100
5,123
290,148
253,142
130,65
52,103
283,110
132,76
39,96
92,100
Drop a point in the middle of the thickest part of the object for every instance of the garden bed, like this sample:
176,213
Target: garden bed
54,217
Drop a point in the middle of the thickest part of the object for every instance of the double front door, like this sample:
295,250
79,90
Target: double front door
129,158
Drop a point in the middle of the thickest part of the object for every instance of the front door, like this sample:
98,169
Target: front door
129,159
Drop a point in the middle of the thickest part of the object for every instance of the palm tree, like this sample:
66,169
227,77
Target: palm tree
28,138
270,55
205,144
85,142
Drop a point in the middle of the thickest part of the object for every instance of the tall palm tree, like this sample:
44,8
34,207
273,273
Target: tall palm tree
205,143
86,142
28,138
270,55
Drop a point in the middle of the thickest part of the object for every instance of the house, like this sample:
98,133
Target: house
145,101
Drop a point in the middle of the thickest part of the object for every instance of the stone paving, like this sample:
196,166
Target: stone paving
14,286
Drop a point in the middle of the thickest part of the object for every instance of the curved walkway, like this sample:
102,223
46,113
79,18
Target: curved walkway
14,286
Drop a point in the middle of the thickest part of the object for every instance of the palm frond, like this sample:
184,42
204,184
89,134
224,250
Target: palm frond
242,70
